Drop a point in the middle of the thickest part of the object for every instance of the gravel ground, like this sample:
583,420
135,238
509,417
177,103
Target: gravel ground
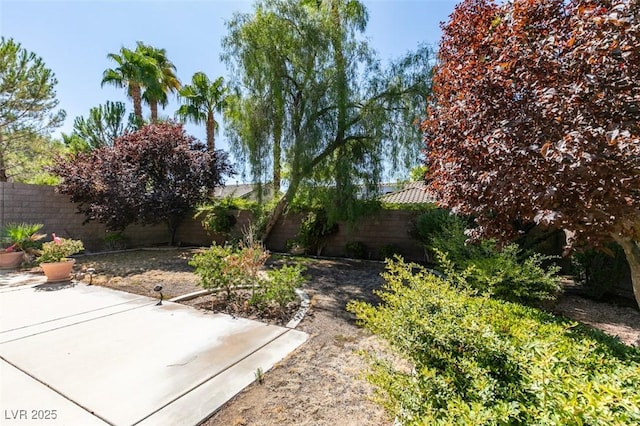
321,382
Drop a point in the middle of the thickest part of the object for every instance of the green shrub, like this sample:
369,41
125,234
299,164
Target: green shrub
314,229
216,216
477,361
226,267
500,274
215,271
115,241
431,223
356,250
451,238
388,251
280,287
505,273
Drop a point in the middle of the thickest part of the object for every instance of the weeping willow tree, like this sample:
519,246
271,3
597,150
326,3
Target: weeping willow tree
314,111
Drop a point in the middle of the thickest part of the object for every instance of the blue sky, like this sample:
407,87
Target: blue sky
74,37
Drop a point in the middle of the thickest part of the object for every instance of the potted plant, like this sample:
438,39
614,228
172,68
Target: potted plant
18,239
294,247
54,259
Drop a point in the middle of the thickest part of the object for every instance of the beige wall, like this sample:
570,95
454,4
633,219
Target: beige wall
41,204
388,227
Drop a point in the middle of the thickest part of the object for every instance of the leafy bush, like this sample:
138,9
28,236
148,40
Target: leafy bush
431,223
357,250
226,267
215,217
450,238
440,230
314,229
218,214
500,274
279,287
388,251
213,269
505,273
230,268
477,361
115,241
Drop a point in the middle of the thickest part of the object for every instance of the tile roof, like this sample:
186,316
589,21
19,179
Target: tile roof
411,193
237,190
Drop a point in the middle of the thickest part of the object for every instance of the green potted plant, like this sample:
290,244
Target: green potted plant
54,258
18,240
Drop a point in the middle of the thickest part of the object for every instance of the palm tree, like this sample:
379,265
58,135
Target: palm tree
156,90
200,100
133,72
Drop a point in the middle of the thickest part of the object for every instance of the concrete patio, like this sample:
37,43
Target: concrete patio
72,354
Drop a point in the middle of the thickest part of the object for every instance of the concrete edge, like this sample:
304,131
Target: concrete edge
205,399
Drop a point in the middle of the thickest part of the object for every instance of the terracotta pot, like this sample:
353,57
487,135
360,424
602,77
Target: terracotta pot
58,271
297,250
12,259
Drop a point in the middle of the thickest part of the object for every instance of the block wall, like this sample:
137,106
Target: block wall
42,204
386,228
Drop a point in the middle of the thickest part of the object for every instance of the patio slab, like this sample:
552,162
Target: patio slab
120,359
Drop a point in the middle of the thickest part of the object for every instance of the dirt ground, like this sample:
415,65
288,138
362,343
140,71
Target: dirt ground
321,382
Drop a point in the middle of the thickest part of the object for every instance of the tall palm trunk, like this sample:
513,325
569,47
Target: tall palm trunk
136,95
211,130
153,105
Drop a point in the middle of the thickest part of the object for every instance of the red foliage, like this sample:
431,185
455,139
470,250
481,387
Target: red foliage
535,116
154,175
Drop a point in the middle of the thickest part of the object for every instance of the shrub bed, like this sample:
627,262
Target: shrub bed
475,360
233,269
506,273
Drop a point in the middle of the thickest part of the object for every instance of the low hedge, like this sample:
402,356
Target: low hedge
482,361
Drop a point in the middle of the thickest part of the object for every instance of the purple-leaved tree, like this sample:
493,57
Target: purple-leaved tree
535,116
154,175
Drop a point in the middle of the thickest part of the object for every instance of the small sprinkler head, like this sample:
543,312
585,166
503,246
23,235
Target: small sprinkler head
158,289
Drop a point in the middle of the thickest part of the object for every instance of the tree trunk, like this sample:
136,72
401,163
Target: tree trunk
277,156
276,213
632,253
3,166
136,96
211,129
173,224
153,105
342,165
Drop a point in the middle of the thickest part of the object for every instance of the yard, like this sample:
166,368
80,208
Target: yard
321,383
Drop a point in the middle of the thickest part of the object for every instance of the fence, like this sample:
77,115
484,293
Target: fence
42,204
